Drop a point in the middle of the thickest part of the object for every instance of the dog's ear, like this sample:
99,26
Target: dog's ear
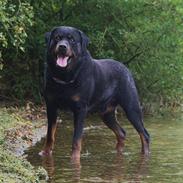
47,38
84,41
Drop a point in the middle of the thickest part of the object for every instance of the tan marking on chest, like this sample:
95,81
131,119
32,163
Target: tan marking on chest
75,98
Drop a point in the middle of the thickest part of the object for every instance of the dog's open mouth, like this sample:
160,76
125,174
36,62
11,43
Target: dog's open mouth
63,61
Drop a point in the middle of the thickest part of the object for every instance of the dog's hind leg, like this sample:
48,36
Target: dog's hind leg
110,120
133,112
134,116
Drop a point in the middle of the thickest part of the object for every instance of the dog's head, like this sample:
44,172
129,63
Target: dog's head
65,45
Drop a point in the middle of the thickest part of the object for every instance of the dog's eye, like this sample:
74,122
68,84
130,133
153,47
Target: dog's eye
71,39
58,38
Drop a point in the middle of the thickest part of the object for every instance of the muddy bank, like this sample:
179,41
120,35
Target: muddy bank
18,139
16,135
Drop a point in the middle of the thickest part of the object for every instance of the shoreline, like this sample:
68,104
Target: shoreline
21,138
16,135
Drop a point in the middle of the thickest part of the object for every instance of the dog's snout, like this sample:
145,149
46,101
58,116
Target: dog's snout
62,48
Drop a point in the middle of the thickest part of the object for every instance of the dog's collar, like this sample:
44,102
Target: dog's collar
59,81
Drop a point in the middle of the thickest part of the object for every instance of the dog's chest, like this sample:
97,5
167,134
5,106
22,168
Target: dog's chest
63,95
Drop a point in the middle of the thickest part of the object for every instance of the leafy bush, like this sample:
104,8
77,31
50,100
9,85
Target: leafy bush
16,17
145,35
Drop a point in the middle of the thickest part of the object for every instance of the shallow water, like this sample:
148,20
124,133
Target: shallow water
101,164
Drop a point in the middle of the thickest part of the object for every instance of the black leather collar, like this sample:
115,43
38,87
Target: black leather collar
59,81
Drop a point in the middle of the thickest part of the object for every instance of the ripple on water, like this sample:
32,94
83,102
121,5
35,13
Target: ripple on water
100,162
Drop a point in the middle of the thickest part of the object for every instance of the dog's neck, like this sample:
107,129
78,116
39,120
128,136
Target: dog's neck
59,81
67,77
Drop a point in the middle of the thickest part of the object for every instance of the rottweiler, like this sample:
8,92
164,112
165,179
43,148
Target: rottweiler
76,81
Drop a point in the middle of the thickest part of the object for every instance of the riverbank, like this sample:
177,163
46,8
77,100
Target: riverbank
17,134
22,127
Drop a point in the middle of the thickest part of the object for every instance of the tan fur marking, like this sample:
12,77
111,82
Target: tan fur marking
75,98
50,140
145,145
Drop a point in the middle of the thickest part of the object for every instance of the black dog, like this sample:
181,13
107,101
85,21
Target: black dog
76,81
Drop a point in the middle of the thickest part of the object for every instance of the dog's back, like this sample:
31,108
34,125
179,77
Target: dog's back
113,80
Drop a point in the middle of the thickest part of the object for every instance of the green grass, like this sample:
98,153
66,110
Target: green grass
15,169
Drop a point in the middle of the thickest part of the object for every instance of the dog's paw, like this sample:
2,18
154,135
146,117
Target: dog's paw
75,157
45,153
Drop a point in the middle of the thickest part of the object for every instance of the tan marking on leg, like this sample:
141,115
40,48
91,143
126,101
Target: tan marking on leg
120,136
109,109
120,140
120,144
75,98
76,150
145,145
50,139
53,132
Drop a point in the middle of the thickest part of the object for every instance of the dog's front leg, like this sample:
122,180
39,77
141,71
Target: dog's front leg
51,129
79,116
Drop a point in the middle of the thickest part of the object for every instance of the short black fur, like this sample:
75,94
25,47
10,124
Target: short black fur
76,81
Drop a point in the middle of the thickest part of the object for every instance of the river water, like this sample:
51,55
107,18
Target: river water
101,164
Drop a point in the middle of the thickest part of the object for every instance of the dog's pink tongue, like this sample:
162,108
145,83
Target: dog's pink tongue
62,62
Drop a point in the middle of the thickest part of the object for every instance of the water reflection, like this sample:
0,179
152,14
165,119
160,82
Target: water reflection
100,162
115,172
49,166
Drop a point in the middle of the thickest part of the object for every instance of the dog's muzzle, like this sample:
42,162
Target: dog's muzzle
61,48
63,53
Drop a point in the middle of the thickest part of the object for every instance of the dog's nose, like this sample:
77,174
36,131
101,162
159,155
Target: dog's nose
63,48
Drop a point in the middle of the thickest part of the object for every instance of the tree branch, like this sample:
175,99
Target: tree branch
132,58
151,84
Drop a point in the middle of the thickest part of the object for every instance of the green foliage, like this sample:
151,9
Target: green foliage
14,169
146,35
16,17
7,120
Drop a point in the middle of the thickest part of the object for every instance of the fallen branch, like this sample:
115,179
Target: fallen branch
132,58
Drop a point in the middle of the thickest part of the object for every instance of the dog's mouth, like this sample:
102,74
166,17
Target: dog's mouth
63,61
